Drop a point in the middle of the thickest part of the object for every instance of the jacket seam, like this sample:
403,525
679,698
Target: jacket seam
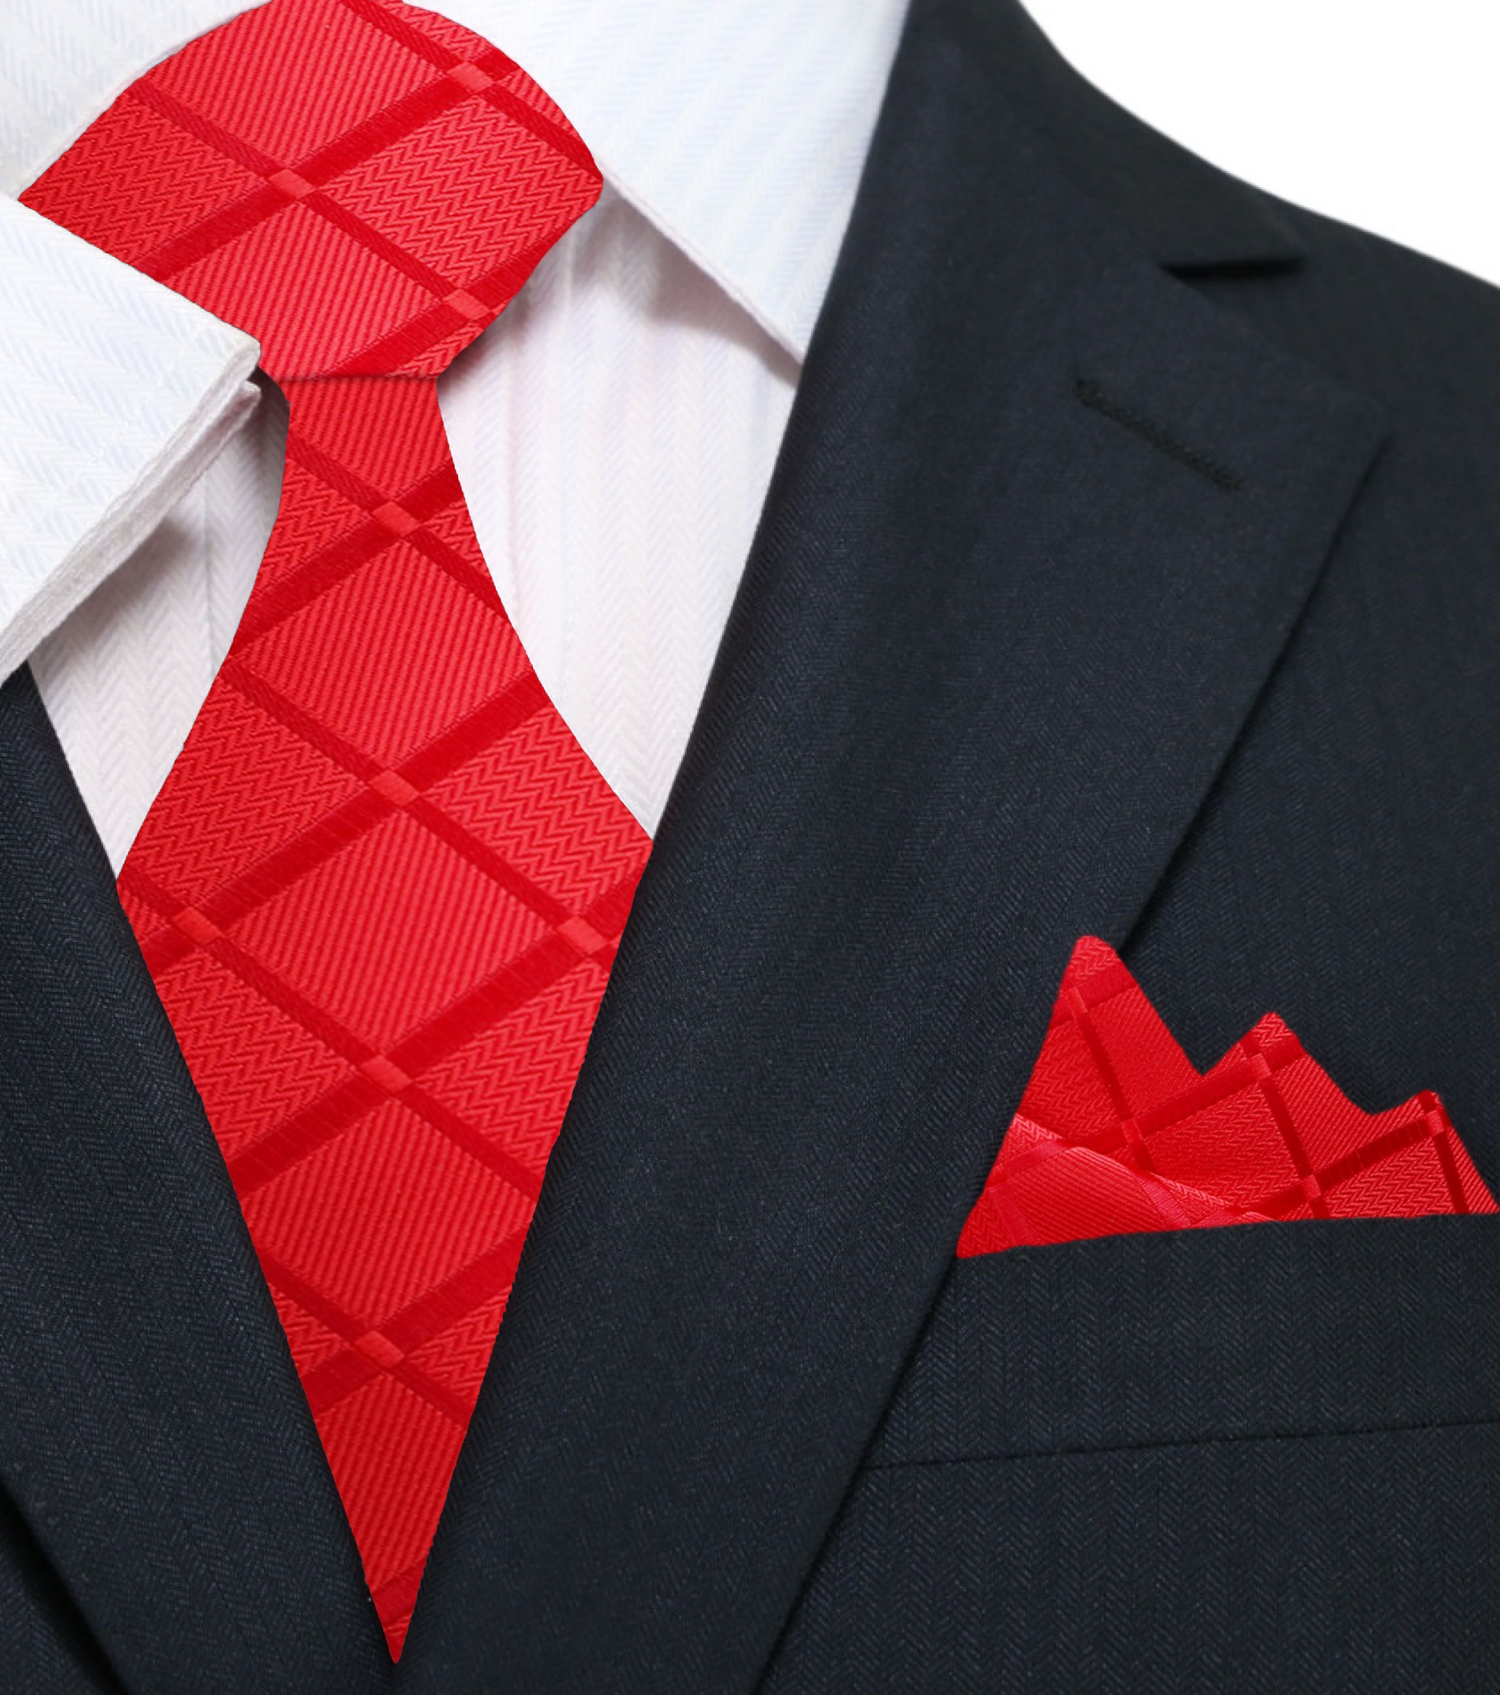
1080,1449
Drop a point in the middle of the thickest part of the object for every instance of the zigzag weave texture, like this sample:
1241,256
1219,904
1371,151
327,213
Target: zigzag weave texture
380,890
1119,1132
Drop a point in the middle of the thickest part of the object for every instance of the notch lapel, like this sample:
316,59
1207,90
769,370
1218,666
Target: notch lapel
152,1429
1042,523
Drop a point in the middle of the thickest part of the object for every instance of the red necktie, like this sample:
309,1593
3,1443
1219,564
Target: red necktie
1118,1132
380,890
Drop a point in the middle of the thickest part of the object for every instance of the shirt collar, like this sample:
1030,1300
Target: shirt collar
739,129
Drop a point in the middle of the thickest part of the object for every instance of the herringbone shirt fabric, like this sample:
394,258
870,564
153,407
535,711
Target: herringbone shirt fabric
116,396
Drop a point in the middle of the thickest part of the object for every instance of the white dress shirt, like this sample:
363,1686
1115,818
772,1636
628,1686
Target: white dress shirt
614,431
115,396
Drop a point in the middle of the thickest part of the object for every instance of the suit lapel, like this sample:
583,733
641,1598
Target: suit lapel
152,1430
1042,524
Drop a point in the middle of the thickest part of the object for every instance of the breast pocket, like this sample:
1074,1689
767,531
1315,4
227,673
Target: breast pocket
1260,1458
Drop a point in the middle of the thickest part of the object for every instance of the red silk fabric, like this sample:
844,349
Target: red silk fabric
1119,1132
380,891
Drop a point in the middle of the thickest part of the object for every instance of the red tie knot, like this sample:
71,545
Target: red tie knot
361,185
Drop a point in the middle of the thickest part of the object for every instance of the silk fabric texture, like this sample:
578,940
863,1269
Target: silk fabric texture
1118,1132
380,889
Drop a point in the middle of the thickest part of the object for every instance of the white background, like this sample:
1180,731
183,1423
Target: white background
1385,113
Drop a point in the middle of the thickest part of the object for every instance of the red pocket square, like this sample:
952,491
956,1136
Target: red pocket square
1118,1132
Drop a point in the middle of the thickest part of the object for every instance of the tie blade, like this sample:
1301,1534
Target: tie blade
379,895
380,890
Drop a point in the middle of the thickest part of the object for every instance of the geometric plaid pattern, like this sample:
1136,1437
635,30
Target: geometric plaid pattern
380,891
1118,1132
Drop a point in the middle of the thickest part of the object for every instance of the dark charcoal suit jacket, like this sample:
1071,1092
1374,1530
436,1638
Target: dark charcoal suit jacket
1131,568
